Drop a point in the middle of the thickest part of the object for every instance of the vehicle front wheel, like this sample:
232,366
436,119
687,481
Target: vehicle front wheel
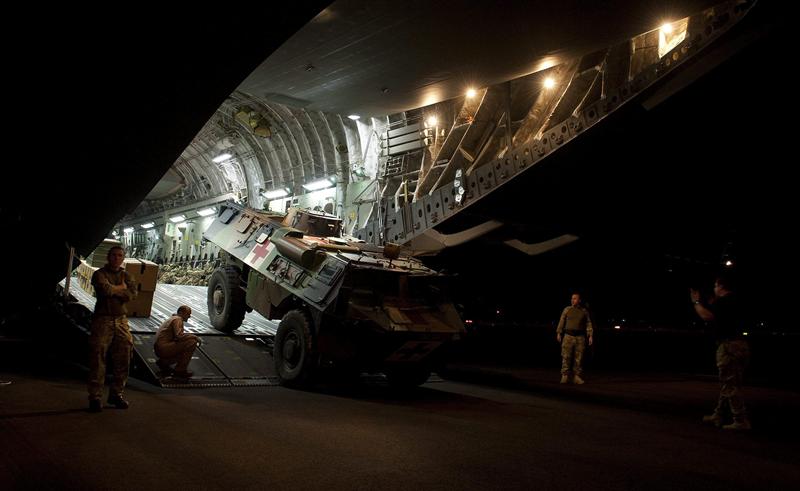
294,354
226,299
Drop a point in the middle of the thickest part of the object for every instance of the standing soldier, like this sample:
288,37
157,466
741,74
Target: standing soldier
733,353
575,324
114,287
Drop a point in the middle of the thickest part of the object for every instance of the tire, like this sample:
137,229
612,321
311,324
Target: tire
407,378
226,300
294,353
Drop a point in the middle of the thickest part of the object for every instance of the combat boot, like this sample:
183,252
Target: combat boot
95,406
742,424
118,401
564,379
578,380
713,419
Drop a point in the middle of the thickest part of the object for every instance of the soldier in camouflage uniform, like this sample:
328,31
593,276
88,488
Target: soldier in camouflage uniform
733,353
113,287
575,325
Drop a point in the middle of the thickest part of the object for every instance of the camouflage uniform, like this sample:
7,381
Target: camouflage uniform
109,331
733,356
574,324
732,359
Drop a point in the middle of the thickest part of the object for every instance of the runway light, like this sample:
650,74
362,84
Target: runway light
467,321
744,334
207,211
471,93
177,218
728,263
617,327
549,83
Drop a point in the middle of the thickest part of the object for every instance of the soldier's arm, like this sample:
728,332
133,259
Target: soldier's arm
101,284
177,328
562,322
589,327
129,291
704,312
178,331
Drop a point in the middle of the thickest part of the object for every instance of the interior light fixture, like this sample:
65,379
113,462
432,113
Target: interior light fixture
432,121
276,193
317,185
549,83
471,93
148,225
354,117
221,158
128,230
206,211
666,28
177,218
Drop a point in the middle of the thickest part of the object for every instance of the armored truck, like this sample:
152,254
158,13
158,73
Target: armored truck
343,304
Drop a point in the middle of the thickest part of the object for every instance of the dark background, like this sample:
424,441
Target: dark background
660,199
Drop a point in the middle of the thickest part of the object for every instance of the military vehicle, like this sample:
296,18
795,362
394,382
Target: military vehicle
342,304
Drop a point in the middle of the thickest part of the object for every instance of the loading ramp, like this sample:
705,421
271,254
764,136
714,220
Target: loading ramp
237,359
220,361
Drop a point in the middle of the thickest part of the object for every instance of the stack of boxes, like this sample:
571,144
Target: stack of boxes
85,272
145,274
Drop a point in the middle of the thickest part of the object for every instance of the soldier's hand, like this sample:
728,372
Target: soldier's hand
590,340
558,337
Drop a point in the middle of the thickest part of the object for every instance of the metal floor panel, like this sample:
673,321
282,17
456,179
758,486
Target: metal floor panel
239,358
168,298
219,362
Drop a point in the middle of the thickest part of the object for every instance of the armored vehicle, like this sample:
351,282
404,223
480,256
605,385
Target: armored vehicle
342,303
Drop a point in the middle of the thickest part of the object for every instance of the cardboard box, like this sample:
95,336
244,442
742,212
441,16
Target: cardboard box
141,305
85,272
144,272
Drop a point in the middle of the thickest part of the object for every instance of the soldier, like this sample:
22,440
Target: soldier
733,353
172,345
575,324
114,287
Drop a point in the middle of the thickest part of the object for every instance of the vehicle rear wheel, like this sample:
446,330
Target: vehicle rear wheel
294,354
226,299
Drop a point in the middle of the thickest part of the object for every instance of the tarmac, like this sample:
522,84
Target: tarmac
772,410
772,405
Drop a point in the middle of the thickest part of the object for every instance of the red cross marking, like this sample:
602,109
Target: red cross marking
260,252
